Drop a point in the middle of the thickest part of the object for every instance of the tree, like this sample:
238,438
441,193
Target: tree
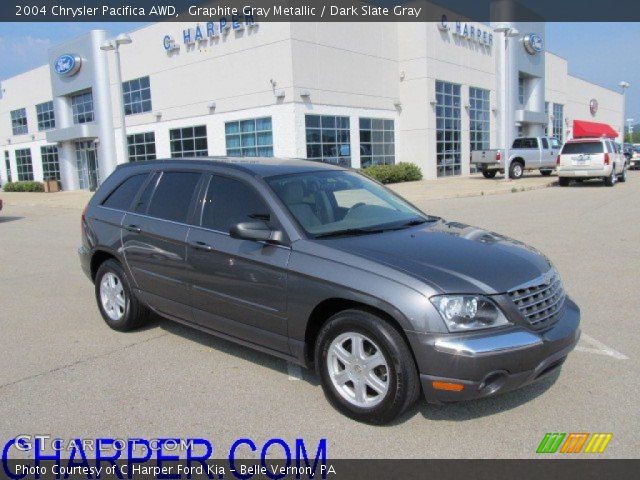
635,137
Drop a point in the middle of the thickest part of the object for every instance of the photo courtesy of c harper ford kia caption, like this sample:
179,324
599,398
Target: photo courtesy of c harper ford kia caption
324,267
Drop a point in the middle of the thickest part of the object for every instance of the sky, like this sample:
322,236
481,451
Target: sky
602,53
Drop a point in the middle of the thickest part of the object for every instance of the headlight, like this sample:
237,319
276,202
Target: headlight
468,312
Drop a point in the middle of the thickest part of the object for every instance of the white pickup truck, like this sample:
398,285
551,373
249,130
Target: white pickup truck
526,153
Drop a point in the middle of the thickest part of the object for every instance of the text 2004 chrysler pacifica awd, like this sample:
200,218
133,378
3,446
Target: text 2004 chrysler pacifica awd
321,266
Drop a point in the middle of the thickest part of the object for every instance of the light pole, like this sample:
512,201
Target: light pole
623,85
506,94
114,44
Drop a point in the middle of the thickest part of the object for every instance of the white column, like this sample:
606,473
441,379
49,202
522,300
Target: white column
107,157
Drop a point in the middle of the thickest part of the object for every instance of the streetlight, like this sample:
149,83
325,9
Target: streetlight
505,95
623,85
114,44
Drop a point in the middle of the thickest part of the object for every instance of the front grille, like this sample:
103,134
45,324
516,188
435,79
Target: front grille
540,302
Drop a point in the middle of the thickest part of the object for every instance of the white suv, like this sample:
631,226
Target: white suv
585,158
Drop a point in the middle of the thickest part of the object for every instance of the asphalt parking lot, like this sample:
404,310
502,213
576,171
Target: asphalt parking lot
65,373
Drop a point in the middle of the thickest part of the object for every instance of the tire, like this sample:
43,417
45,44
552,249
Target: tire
516,170
489,173
623,176
395,371
611,180
564,181
546,173
127,312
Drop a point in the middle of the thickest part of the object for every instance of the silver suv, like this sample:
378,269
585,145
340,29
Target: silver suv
586,158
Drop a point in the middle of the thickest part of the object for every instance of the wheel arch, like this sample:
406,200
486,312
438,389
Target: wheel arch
327,308
98,257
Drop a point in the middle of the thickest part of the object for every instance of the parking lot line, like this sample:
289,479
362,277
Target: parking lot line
599,348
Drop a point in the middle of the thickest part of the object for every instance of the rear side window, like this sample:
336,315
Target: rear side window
229,202
525,143
121,197
173,195
576,148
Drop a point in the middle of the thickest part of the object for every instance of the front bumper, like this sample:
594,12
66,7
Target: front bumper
488,363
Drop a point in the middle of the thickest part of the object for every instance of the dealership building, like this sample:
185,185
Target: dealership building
355,94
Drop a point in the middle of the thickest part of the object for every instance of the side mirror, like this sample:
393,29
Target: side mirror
258,231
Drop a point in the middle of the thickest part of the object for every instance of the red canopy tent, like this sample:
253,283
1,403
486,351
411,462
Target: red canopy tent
582,128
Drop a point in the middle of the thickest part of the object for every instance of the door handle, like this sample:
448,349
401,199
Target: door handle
201,246
133,228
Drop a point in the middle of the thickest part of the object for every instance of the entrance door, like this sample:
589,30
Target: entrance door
87,164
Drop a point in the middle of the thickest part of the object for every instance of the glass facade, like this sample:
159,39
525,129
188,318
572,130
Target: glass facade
7,164
328,139
479,119
136,95
249,138
82,107
558,121
521,90
87,165
24,164
377,142
19,121
448,129
50,163
46,117
189,142
142,146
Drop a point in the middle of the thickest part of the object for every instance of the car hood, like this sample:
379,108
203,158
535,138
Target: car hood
450,256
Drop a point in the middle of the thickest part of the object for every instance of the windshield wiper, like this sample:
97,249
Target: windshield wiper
350,232
415,222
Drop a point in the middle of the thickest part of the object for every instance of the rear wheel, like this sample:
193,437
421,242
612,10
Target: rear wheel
120,309
366,367
623,176
563,181
611,180
516,170
489,173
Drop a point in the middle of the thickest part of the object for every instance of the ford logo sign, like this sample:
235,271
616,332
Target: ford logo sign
593,107
67,65
533,43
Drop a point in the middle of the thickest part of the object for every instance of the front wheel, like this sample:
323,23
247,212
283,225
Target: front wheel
489,173
366,367
516,170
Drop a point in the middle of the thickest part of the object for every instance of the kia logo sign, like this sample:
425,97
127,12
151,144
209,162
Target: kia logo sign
533,43
593,106
67,65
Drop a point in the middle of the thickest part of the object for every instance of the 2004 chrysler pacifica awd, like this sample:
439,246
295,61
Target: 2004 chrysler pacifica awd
321,266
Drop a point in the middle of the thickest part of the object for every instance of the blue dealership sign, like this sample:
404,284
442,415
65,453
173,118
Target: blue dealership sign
533,43
67,65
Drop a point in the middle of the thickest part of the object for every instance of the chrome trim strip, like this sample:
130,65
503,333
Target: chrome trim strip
502,342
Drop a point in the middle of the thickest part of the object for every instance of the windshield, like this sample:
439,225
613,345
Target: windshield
342,203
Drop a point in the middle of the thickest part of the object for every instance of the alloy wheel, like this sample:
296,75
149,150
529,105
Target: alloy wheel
112,296
358,369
